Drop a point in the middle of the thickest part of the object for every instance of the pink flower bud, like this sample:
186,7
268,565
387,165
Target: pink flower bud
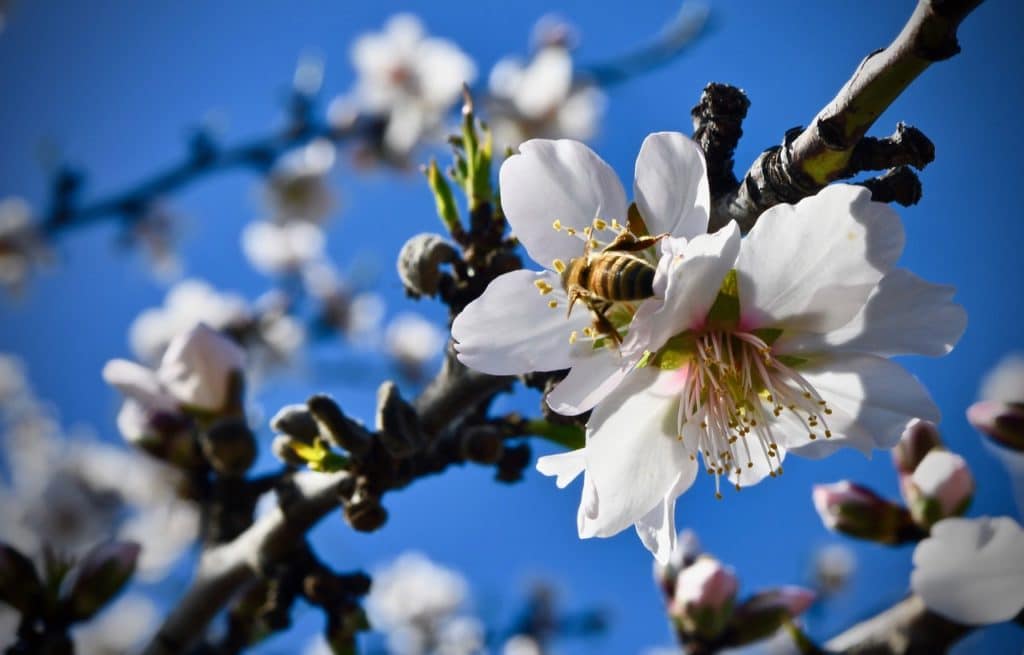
1002,422
198,368
941,486
917,440
704,597
859,512
761,615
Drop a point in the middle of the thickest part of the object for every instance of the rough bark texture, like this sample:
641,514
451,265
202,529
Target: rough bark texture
907,628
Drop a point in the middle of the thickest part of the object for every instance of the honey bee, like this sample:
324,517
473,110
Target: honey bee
612,275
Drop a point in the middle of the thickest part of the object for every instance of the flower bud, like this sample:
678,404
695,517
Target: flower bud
859,512
482,444
761,615
297,422
421,258
917,440
941,486
703,599
282,447
1002,422
101,574
200,368
365,514
19,583
229,446
338,428
684,554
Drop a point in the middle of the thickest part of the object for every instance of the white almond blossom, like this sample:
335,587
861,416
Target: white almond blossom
121,628
972,570
742,354
279,249
409,79
187,304
998,414
416,603
72,492
298,190
541,99
413,341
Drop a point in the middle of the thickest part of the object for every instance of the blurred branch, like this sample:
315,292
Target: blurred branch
831,148
907,628
689,23
204,156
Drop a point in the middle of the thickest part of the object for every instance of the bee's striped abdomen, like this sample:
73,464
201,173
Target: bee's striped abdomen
616,276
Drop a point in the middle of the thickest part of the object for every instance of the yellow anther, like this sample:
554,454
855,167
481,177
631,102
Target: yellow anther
543,287
571,231
600,224
718,495
552,304
558,265
616,225
572,337
828,434
557,225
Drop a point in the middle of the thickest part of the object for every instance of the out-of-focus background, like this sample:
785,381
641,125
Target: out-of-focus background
116,87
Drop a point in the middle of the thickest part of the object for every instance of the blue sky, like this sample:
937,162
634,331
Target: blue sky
116,87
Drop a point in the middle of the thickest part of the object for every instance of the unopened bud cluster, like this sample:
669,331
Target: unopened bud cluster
934,482
701,599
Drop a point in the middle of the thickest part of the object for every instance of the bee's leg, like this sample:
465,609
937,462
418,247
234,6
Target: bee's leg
576,292
628,242
605,327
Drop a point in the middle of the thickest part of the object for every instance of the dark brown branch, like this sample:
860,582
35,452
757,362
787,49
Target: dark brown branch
900,185
907,628
811,158
717,127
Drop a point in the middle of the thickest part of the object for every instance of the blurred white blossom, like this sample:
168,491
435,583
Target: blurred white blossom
277,249
999,415
541,98
834,565
413,341
187,303
298,189
366,314
521,645
409,79
20,246
121,628
72,492
416,603
1005,383
972,570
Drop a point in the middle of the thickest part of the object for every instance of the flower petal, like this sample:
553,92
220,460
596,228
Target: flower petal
755,465
565,467
689,277
593,376
903,315
557,180
657,528
811,266
632,452
139,384
671,185
510,329
972,570
545,83
872,401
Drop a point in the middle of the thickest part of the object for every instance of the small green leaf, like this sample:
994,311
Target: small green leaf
792,361
443,197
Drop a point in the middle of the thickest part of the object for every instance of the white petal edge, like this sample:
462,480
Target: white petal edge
510,328
811,266
557,180
671,185
872,399
138,383
564,467
633,455
904,315
657,528
592,377
972,570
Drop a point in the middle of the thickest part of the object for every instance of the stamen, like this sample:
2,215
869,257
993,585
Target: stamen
543,287
557,225
553,304
558,265
600,224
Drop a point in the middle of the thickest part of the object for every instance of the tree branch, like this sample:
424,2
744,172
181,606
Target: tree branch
810,158
907,628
